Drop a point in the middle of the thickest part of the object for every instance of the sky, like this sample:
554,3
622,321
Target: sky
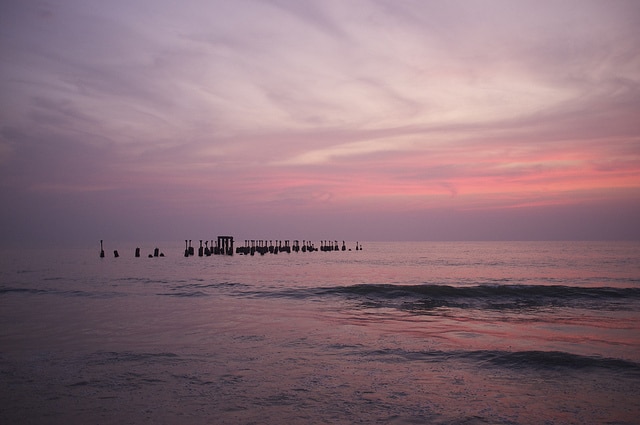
156,120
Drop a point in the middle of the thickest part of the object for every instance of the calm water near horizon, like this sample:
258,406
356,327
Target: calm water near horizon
403,333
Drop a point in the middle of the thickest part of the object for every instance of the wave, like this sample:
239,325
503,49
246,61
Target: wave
479,291
174,289
22,291
515,360
201,289
495,296
64,293
184,294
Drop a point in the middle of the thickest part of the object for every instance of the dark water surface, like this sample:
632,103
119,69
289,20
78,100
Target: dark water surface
443,333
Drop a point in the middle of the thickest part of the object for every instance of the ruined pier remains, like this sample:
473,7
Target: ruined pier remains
224,246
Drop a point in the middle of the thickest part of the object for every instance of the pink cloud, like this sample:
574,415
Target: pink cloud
325,111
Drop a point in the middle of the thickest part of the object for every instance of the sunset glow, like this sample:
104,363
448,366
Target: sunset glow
362,120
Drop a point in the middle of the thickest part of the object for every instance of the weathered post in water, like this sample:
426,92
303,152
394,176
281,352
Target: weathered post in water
115,253
101,250
137,252
225,245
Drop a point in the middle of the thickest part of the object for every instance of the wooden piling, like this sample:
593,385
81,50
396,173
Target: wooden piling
224,245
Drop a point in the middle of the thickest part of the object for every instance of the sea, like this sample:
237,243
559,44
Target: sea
393,333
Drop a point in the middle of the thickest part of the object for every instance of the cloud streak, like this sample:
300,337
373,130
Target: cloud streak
295,107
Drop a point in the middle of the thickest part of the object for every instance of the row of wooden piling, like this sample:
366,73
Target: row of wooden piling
262,247
224,246
116,254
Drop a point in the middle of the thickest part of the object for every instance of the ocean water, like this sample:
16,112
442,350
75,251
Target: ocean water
400,333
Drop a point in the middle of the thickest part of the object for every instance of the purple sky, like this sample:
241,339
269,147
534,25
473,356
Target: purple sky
151,120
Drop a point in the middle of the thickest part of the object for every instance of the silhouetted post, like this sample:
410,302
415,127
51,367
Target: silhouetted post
225,245
186,248
101,250
156,252
344,247
115,253
200,250
243,249
137,252
191,249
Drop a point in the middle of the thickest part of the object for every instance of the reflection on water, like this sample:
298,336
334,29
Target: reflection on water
413,333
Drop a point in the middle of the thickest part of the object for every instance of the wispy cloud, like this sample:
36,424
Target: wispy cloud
301,105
